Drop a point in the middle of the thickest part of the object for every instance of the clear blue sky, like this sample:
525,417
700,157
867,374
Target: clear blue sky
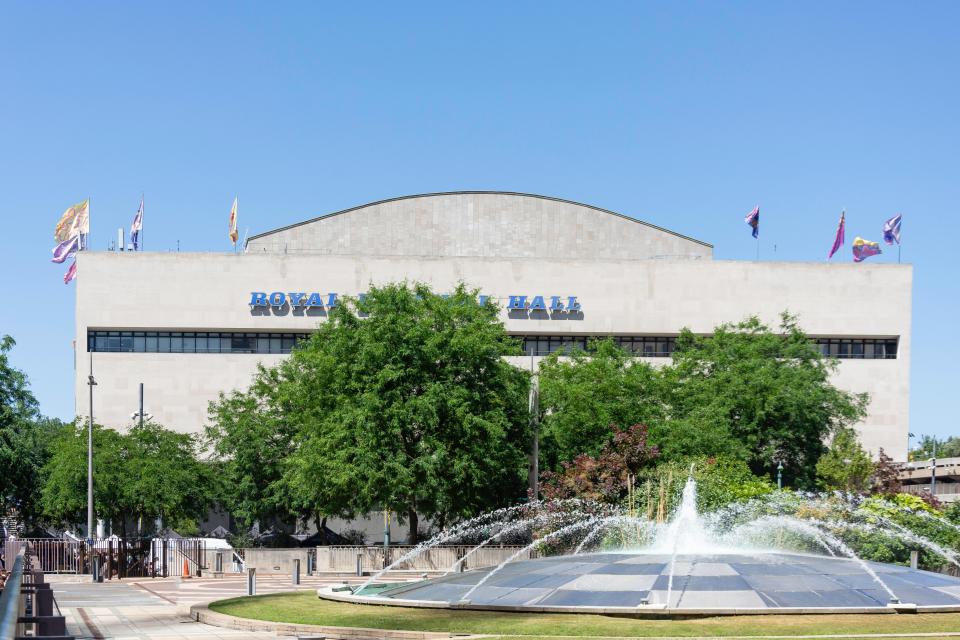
681,114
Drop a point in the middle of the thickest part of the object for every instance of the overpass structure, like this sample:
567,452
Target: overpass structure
940,474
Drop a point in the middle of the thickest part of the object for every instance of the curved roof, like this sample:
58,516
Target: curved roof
746,582
480,224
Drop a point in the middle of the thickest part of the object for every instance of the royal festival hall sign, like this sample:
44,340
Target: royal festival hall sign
553,304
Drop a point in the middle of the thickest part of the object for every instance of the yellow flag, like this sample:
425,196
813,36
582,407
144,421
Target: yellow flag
233,222
74,220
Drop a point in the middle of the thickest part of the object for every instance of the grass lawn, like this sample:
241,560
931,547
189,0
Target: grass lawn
306,608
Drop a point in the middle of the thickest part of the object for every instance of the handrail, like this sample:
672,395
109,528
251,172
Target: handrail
10,598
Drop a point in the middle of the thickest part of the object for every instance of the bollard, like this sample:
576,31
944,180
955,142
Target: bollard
251,582
914,558
296,571
96,569
359,564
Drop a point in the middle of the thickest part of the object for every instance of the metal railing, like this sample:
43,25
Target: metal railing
942,489
136,557
11,604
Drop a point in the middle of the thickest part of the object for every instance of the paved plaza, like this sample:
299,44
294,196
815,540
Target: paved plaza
158,609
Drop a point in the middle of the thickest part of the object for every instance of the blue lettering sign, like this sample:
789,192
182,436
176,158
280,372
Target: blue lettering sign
332,300
555,304
517,302
277,299
538,303
315,300
572,304
258,299
484,300
296,298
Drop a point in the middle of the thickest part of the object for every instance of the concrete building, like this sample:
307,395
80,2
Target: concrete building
192,325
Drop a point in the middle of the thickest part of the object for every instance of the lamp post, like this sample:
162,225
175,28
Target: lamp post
386,532
933,469
779,475
90,383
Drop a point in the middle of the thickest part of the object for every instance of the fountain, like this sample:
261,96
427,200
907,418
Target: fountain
757,557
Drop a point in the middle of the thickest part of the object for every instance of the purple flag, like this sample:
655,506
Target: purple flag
66,249
71,273
136,226
753,219
838,241
891,229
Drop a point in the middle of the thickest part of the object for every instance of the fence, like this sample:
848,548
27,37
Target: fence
118,557
156,557
343,559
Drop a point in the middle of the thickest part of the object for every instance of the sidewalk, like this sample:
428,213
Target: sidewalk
158,609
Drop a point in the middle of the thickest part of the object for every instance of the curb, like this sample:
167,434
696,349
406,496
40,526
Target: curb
203,613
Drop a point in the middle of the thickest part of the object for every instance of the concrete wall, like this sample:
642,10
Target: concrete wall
267,561
480,224
212,291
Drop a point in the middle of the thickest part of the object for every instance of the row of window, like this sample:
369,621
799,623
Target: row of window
664,346
192,341
250,342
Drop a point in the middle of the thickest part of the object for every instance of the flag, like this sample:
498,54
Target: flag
74,220
71,273
136,225
753,219
66,249
838,241
233,222
863,249
891,229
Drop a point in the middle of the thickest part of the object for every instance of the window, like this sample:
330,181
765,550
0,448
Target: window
858,348
664,346
537,345
192,342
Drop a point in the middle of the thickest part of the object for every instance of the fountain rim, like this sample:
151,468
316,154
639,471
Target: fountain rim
333,593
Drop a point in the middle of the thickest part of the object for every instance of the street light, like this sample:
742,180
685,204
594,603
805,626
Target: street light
90,383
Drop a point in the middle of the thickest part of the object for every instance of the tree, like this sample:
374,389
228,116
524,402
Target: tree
886,476
580,397
845,466
64,498
932,447
401,400
252,437
24,439
165,476
755,394
602,478
145,473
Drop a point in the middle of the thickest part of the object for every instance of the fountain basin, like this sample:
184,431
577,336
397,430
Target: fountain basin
638,583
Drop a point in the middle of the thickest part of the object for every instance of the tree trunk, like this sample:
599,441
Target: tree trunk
414,523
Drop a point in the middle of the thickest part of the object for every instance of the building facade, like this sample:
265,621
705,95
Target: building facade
191,325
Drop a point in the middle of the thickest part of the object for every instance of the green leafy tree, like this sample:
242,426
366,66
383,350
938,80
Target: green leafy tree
145,473
252,434
760,395
65,488
845,466
24,439
720,482
166,478
401,400
583,394
931,446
